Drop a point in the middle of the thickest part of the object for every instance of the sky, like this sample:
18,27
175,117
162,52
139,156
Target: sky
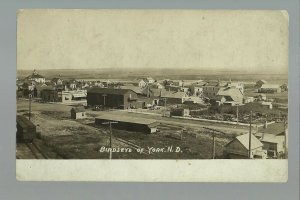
179,39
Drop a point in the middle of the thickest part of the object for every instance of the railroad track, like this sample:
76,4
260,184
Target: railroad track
132,145
36,151
127,142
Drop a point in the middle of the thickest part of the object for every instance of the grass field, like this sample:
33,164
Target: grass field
77,139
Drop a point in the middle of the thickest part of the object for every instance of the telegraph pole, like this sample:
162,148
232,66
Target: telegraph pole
29,115
104,95
250,135
214,132
237,113
110,137
213,145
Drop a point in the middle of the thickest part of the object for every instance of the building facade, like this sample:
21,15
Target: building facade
113,98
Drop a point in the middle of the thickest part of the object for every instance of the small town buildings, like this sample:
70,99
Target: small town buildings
270,88
229,96
78,113
248,99
50,95
235,84
238,148
36,77
128,123
182,112
113,98
261,97
174,97
150,80
38,89
269,105
211,89
57,81
146,81
73,96
196,90
272,137
136,89
143,83
260,83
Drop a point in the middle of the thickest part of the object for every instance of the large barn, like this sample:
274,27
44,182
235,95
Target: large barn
113,98
128,123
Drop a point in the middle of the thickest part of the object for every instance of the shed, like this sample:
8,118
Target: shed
78,113
128,123
238,148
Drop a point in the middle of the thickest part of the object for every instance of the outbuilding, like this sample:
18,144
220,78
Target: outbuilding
78,113
238,148
128,123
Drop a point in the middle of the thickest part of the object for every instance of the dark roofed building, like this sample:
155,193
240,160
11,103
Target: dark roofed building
128,123
26,130
112,98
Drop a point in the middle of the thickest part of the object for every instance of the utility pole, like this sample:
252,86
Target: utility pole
165,103
237,113
214,132
29,114
165,100
110,137
250,134
213,144
104,95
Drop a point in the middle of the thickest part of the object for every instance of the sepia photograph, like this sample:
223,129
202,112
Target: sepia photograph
152,85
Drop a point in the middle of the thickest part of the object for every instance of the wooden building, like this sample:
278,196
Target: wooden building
26,130
238,148
128,123
50,95
78,113
113,98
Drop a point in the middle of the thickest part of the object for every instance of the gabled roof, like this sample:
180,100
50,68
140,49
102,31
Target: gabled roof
126,118
274,129
136,89
263,81
270,138
244,140
177,95
234,93
108,90
154,91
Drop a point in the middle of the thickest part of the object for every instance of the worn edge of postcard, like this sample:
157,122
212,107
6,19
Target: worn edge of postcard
153,170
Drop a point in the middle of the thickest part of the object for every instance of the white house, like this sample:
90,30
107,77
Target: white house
36,77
